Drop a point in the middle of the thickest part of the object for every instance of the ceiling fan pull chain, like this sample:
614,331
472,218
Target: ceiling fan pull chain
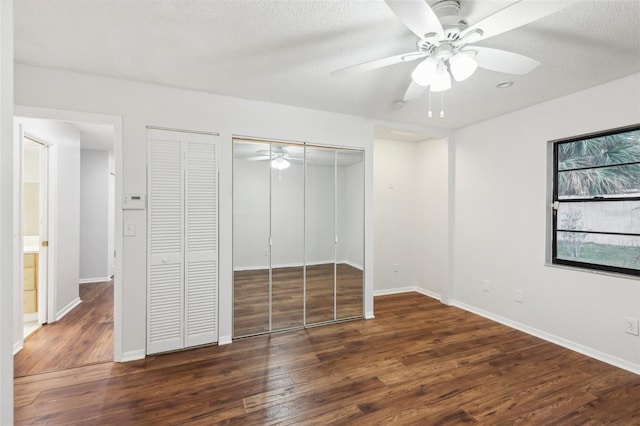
429,114
441,104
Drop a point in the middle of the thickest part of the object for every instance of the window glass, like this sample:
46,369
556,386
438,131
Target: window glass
596,211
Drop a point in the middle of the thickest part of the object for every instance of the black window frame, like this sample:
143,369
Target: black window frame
595,199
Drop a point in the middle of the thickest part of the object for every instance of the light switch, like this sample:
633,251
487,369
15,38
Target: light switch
129,229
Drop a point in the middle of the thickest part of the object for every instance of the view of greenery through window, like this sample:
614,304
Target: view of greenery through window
597,195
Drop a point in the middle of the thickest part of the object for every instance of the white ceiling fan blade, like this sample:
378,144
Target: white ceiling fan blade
517,15
503,61
258,158
379,63
417,15
413,91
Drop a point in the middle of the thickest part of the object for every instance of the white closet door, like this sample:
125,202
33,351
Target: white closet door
165,280
201,257
183,241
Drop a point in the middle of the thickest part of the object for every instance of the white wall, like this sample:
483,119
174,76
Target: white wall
287,215
7,235
251,215
94,215
320,209
141,105
500,226
350,214
395,187
432,211
411,216
64,196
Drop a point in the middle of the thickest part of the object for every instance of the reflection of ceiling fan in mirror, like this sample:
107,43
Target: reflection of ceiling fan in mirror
446,42
280,157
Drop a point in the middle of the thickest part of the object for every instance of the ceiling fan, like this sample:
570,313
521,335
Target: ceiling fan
279,156
445,45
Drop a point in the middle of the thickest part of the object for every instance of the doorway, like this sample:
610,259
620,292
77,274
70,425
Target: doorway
35,190
58,303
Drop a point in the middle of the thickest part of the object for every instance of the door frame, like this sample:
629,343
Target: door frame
116,122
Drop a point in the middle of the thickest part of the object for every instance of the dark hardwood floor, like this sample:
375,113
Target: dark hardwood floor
83,336
418,362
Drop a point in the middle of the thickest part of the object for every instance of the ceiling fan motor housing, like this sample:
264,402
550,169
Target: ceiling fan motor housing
448,12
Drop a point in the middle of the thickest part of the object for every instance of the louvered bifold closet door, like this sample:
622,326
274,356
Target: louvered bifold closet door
165,281
201,243
182,289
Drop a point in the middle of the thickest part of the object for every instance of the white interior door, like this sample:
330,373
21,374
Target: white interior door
201,211
182,245
43,262
165,246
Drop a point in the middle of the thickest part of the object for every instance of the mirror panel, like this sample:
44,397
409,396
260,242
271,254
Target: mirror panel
251,212
320,235
350,230
287,236
298,236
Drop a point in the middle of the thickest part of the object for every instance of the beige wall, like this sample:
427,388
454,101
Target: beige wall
31,208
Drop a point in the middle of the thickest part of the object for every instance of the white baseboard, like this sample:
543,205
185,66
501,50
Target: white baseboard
133,355
64,311
353,265
407,289
397,290
369,315
577,347
224,340
94,280
18,346
431,294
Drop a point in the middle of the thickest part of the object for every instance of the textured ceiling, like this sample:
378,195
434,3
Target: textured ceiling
283,51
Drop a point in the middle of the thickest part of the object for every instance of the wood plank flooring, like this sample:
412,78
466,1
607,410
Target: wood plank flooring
418,362
83,336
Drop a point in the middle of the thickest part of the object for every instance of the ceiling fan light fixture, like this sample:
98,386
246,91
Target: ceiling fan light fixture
280,163
425,72
462,66
441,80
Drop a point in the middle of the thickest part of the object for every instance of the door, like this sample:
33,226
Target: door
287,236
350,234
298,236
321,237
182,240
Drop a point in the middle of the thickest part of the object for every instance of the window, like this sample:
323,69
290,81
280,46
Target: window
596,201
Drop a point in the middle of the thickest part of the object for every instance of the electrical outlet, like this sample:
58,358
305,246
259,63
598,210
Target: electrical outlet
396,268
486,286
631,326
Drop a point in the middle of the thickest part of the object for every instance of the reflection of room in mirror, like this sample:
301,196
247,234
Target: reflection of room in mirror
296,226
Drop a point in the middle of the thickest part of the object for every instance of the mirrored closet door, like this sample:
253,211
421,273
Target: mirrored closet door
350,231
298,236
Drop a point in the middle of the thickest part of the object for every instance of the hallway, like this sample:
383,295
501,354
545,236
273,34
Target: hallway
83,337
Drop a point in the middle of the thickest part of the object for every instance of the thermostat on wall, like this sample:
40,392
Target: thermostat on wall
133,202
